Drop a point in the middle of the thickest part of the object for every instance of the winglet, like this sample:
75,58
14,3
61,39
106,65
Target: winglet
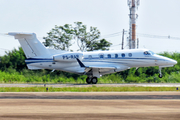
80,63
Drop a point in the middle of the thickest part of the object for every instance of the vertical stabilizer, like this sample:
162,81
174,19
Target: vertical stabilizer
32,47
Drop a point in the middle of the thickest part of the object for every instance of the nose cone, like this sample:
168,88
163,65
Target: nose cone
173,62
164,61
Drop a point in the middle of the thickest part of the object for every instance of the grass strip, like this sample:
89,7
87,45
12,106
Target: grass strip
85,89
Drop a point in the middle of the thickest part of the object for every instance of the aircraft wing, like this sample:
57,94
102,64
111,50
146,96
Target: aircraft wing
102,68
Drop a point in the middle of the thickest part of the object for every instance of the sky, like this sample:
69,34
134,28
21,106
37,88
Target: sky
155,17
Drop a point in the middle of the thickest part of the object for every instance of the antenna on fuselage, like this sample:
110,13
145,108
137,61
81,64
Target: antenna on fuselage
122,47
137,43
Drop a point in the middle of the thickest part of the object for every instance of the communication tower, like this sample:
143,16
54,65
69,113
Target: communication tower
133,6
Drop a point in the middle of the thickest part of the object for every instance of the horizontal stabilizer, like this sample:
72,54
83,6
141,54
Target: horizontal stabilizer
21,35
33,67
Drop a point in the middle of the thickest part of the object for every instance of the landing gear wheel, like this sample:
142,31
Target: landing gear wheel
160,76
88,80
94,80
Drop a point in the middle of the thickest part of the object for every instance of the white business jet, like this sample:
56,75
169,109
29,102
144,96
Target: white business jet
92,64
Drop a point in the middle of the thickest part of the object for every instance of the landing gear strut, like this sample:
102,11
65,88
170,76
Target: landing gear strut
92,80
160,74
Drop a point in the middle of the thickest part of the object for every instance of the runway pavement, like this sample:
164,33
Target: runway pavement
90,106
91,95
97,85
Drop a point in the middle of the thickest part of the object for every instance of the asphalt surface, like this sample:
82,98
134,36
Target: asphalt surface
90,105
92,95
97,85
67,109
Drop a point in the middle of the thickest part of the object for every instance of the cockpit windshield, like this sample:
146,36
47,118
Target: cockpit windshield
152,53
149,53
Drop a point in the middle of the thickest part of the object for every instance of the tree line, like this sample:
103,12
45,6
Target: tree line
61,38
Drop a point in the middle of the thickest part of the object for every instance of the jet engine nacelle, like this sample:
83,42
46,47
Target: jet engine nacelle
68,57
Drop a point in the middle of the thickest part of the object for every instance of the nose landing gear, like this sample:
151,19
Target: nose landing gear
160,74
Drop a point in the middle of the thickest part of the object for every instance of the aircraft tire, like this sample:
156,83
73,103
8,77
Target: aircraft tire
88,80
160,76
94,80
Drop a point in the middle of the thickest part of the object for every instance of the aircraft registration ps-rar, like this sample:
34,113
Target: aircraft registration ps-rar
93,64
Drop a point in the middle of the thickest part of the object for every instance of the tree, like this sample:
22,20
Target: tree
89,41
99,45
60,38
13,59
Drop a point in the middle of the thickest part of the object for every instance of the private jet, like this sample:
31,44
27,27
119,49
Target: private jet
93,64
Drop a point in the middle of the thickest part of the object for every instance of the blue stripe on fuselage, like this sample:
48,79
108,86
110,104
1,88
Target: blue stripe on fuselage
97,59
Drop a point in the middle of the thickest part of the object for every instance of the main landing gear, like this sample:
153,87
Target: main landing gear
92,80
160,74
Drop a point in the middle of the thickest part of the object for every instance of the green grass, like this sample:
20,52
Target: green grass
85,89
28,76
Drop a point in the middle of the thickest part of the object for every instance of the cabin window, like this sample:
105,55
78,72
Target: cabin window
101,56
109,55
130,54
64,56
123,55
90,56
116,55
77,56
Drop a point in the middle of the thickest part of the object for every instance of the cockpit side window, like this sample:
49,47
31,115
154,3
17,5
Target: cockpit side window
149,53
146,53
152,53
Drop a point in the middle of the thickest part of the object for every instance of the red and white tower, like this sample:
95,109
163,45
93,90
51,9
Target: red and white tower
133,6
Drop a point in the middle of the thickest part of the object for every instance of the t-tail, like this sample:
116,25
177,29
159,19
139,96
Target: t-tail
31,46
